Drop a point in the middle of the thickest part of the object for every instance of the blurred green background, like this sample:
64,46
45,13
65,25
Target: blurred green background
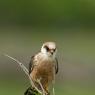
25,25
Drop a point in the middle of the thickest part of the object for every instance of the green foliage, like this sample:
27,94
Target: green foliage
46,11
31,91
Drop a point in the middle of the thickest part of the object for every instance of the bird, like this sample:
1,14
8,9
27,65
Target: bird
44,65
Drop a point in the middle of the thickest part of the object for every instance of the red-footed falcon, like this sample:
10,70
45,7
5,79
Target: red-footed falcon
44,65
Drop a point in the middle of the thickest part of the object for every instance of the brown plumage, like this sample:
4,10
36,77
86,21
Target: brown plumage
44,65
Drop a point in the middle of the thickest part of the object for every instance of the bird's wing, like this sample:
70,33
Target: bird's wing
31,65
56,66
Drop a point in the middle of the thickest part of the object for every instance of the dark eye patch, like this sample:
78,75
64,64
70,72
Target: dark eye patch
47,48
54,50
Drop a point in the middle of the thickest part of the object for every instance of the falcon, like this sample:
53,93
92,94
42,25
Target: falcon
44,65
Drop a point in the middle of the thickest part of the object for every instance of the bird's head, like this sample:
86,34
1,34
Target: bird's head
49,48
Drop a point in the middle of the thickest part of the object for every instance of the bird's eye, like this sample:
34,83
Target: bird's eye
46,48
54,49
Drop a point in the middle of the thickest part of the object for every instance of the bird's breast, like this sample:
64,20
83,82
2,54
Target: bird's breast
44,69
45,66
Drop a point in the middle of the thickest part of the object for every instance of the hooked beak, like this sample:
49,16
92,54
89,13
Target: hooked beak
51,52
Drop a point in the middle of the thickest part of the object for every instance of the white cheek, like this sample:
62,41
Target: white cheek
43,50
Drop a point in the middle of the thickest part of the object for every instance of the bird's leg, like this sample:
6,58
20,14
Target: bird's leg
47,88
